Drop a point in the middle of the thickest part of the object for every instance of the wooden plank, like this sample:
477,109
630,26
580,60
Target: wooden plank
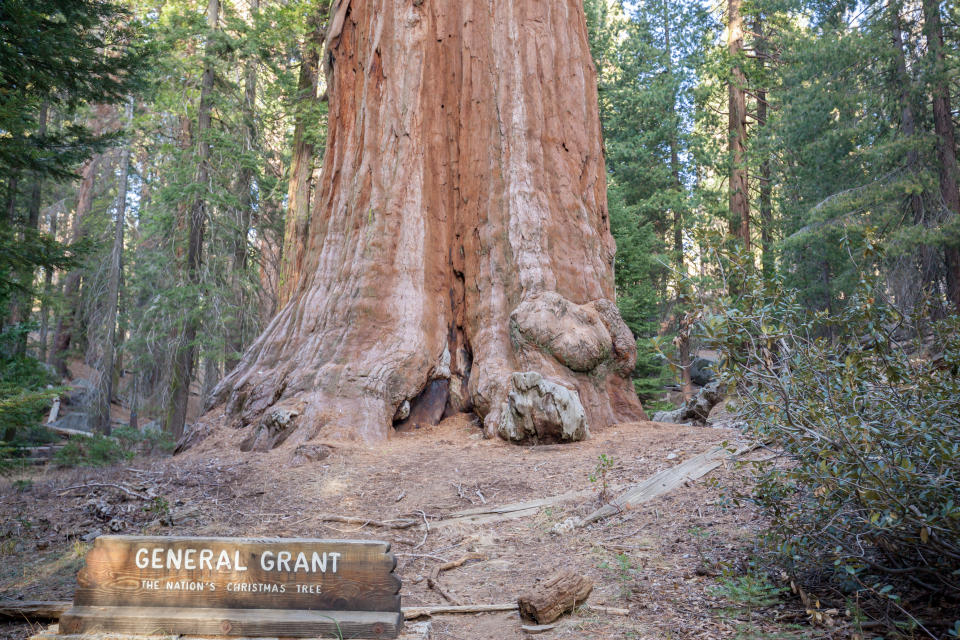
666,481
239,573
32,610
232,622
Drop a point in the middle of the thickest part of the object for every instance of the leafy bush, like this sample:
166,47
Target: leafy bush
25,395
124,444
864,408
144,442
91,451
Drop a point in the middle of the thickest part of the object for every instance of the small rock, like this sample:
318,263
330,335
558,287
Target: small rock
93,535
671,456
566,526
305,453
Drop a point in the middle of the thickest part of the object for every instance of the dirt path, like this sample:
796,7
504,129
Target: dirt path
660,560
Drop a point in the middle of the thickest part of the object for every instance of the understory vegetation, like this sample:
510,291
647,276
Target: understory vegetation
862,409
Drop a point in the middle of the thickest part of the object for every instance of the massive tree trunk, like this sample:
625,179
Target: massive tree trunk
300,187
737,128
946,141
460,236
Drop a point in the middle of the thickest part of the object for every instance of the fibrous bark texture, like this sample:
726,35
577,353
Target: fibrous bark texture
459,234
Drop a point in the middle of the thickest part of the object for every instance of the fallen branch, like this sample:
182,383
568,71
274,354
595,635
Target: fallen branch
433,579
435,585
612,611
72,432
110,485
363,522
538,628
453,564
409,613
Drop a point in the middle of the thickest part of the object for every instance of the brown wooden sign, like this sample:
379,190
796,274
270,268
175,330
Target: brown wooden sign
237,587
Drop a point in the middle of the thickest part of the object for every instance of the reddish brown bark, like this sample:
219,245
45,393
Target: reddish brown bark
460,232
946,141
737,125
103,120
300,187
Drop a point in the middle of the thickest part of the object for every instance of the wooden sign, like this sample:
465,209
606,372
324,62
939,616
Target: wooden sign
237,587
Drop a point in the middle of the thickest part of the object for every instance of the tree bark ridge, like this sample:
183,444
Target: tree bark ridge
460,232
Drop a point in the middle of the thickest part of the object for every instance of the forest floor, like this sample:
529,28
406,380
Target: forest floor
681,563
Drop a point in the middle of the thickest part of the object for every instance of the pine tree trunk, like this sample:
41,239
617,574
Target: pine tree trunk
927,258
235,339
946,142
683,333
68,324
183,359
766,186
22,304
300,189
460,236
737,128
105,388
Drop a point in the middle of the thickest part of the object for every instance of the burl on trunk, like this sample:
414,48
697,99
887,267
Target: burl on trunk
459,255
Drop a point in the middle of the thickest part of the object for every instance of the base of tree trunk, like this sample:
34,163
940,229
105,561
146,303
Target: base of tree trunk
459,256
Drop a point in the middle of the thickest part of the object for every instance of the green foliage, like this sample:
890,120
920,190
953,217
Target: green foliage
124,444
25,395
143,442
752,590
91,451
624,571
868,427
159,507
604,464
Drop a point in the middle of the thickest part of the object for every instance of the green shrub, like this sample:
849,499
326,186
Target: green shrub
864,408
91,451
125,443
25,394
144,442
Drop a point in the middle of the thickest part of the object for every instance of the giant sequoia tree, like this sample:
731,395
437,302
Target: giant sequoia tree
459,255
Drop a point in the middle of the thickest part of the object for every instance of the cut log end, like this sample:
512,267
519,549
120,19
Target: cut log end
555,596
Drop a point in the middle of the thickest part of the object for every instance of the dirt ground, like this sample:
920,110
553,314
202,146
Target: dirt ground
664,561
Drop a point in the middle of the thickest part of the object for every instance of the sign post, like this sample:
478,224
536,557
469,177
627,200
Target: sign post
295,588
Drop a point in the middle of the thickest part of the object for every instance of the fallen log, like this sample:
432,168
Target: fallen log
666,481
33,610
488,515
555,596
410,613
402,523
